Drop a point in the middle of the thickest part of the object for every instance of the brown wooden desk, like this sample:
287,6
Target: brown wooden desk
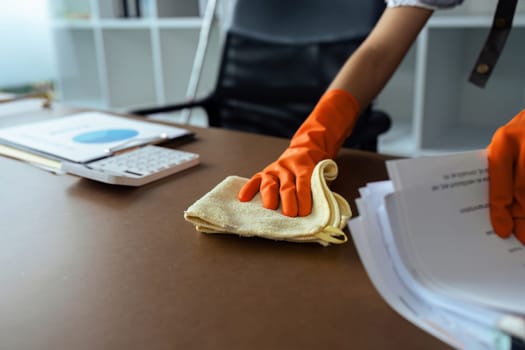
84,265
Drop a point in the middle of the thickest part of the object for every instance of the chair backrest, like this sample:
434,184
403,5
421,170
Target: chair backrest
305,21
279,56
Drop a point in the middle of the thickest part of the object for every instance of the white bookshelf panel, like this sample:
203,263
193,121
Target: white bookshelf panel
397,96
178,48
130,75
451,103
397,100
459,137
400,140
185,8
77,66
121,64
110,8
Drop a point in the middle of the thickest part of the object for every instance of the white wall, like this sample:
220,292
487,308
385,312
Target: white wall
26,53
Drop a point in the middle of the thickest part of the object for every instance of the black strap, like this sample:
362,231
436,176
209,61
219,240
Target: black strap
495,42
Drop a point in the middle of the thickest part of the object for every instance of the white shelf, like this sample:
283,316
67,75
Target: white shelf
125,63
72,24
399,140
79,77
117,63
458,137
130,23
183,23
435,109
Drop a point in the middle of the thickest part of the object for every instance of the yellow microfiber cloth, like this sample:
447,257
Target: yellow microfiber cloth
219,211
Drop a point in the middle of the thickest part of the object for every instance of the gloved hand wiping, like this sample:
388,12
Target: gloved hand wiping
319,137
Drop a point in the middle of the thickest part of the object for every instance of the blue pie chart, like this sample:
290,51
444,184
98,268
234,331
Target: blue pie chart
106,135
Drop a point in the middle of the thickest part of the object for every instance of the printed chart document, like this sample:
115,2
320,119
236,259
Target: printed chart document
426,241
86,136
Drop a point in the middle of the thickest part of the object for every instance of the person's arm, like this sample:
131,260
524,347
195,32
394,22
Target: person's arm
321,135
370,67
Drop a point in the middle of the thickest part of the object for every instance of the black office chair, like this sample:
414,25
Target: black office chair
278,58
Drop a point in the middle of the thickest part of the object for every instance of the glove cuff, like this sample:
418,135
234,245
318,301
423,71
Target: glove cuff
329,124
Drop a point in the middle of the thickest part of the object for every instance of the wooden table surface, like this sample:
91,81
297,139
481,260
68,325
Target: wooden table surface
86,265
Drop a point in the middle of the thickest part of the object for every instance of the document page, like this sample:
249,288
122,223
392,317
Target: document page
86,136
436,170
458,326
443,231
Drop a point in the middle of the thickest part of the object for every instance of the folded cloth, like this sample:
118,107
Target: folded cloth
219,211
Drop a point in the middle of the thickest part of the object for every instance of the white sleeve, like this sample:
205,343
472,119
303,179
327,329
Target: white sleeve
429,4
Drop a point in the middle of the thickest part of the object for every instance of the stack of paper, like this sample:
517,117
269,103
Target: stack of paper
426,241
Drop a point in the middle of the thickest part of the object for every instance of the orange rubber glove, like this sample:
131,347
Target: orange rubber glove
506,155
319,137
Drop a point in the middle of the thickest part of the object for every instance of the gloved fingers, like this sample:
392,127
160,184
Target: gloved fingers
519,229
250,188
270,187
269,191
518,206
304,195
501,155
517,132
288,193
502,222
